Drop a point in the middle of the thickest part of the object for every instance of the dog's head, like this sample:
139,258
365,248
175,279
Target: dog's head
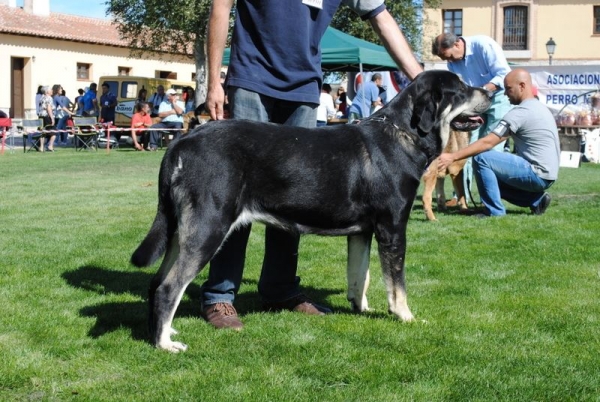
440,101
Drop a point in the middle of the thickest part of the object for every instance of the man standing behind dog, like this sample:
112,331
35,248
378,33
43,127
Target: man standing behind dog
275,75
480,62
520,178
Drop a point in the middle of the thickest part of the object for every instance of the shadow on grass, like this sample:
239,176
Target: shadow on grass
134,315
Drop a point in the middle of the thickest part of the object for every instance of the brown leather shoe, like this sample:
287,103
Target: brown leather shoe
222,315
300,304
452,202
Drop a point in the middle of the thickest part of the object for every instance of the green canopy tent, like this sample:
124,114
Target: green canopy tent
343,52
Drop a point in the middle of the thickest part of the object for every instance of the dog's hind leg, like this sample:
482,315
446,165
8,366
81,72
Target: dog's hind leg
359,250
179,268
170,257
392,249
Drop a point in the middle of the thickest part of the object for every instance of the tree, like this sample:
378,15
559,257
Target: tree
408,14
163,28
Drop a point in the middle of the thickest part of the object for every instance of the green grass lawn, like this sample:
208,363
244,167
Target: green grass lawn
507,309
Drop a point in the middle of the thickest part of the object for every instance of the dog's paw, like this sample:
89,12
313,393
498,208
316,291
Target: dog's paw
359,307
173,347
403,314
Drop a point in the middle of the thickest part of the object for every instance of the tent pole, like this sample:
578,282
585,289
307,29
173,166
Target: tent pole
362,86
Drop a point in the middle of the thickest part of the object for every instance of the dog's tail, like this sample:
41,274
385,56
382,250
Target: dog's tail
163,228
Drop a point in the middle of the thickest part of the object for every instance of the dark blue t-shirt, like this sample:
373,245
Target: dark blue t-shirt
275,49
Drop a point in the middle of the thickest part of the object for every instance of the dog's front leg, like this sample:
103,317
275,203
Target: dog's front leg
359,250
392,249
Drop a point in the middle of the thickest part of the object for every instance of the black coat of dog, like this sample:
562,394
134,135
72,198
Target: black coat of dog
354,180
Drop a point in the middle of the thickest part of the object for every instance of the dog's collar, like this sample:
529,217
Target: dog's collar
383,119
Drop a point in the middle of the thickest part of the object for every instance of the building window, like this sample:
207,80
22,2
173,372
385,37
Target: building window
171,75
453,21
124,70
515,28
596,20
83,71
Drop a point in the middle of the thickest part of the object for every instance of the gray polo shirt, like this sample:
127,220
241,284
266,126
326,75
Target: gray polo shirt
534,131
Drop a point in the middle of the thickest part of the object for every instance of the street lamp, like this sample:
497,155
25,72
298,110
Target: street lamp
550,47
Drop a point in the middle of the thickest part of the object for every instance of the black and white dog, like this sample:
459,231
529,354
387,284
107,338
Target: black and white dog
355,180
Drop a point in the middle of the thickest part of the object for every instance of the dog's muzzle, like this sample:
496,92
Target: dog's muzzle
466,123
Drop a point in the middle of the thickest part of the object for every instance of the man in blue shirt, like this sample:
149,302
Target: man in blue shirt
366,98
275,75
108,103
90,103
480,62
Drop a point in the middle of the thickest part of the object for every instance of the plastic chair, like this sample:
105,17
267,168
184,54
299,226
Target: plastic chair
31,129
86,133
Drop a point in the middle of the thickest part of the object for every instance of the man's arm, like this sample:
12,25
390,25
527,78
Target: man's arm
175,109
394,41
481,145
218,27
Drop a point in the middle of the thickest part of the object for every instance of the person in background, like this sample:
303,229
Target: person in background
326,110
189,99
142,95
341,102
141,119
480,62
286,91
366,99
156,99
62,110
108,104
171,112
90,101
38,97
78,104
47,115
523,177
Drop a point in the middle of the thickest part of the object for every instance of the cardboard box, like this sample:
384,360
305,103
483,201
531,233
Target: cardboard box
570,159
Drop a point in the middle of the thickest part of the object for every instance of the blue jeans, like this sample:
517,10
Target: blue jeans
62,137
500,106
503,175
278,280
156,134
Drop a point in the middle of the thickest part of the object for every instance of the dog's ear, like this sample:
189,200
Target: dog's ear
425,110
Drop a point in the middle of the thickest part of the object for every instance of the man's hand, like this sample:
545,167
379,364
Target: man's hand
215,99
444,161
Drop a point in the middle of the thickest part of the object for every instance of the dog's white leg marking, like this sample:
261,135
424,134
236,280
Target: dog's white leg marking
391,255
359,250
165,331
164,338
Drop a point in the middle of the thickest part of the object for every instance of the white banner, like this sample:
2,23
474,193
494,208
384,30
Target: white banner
565,88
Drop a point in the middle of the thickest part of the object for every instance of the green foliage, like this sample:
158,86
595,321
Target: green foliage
158,27
507,309
406,12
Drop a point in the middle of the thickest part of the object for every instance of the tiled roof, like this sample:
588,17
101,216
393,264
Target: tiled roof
16,21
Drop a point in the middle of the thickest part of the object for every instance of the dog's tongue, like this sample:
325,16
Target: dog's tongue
476,119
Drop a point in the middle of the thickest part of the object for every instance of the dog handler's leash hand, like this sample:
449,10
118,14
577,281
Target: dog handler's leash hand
215,99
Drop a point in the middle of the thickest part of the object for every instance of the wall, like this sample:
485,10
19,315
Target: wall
568,22
56,63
